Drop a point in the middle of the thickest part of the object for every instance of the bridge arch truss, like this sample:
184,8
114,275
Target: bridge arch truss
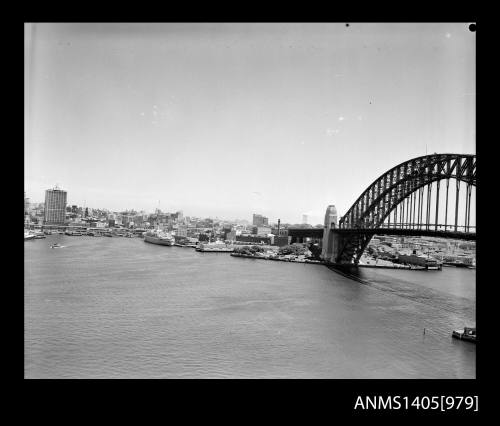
376,203
401,191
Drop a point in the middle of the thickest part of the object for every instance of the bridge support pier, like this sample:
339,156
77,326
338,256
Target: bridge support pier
345,248
328,244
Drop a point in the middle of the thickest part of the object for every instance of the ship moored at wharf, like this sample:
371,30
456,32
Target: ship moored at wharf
29,235
159,237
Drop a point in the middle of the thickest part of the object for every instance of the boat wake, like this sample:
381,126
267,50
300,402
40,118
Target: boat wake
456,305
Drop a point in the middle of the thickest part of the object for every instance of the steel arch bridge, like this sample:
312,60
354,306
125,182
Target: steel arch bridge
394,204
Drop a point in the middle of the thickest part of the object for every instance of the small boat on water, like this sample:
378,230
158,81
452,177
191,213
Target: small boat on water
468,334
56,245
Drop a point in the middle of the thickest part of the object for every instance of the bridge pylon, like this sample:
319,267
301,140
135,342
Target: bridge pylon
328,237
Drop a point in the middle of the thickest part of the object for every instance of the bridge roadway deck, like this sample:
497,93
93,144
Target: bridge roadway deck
306,232
318,232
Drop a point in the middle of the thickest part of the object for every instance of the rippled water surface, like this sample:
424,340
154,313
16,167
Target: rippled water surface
122,308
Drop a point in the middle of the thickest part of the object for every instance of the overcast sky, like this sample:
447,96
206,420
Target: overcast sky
229,120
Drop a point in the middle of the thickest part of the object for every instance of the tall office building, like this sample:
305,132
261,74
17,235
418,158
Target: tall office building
26,209
304,219
26,205
259,220
55,206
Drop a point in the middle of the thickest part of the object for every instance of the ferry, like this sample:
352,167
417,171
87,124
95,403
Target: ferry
468,334
159,237
28,236
217,246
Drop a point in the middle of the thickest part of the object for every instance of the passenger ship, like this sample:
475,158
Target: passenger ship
159,237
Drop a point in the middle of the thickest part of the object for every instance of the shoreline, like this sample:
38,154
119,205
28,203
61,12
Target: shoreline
248,256
308,261
322,262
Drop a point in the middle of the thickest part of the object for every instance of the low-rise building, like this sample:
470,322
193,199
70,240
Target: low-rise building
254,239
281,240
263,230
182,231
231,236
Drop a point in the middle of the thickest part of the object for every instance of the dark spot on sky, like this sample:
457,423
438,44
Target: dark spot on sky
472,27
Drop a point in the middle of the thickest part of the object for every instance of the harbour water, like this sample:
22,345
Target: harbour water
121,308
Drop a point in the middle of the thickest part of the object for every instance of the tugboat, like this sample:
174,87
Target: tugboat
468,334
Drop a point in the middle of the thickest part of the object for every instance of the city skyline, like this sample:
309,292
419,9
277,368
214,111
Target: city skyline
228,120
29,204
